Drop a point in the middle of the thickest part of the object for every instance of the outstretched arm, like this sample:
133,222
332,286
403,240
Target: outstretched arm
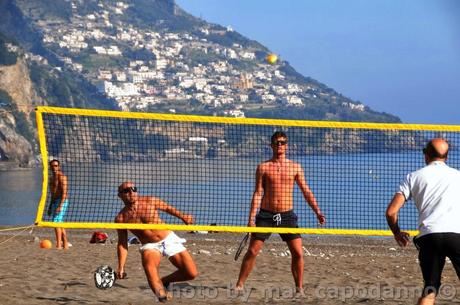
122,252
402,238
256,197
308,195
163,206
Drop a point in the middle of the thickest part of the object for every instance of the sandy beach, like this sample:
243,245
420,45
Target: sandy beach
338,270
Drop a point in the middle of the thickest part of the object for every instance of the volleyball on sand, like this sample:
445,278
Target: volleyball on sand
46,244
104,277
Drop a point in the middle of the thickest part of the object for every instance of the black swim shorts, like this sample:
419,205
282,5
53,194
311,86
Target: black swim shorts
271,219
433,250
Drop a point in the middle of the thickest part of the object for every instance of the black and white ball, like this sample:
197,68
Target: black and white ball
104,277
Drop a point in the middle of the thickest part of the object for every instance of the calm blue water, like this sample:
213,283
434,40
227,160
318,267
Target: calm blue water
19,195
352,190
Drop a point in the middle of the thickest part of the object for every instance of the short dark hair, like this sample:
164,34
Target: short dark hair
432,153
278,134
55,160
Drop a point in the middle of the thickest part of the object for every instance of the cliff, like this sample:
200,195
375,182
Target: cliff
17,96
13,147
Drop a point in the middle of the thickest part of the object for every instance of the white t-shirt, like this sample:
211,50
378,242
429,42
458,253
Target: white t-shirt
435,190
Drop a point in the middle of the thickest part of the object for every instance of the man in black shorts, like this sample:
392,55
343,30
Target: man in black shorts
266,218
435,190
275,180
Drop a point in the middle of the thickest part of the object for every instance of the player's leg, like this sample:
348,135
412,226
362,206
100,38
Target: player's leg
453,244
432,260
58,232
150,262
294,243
249,260
297,262
186,268
65,242
428,299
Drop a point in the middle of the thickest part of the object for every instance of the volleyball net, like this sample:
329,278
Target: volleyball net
205,166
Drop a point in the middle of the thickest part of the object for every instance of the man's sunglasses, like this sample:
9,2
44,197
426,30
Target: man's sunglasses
278,143
128,189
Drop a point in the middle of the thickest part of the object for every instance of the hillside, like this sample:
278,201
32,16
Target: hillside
148,55
27,81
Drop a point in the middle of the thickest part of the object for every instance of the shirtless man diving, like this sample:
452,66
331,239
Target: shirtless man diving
155,243
274,194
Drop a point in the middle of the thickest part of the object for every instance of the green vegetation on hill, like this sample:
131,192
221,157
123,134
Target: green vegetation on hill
5,99
7,58
196,56
96,61
138,54
67,89
321,112
228,39
14,24
156,14
55,10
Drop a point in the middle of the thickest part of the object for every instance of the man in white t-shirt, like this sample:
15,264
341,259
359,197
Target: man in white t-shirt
435,190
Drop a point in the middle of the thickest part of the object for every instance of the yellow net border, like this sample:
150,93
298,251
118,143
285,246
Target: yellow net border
209,119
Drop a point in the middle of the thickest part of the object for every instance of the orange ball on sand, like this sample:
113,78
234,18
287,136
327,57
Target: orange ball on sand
46,244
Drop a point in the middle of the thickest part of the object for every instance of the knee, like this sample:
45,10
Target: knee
252,252
297,255
189,272
192,273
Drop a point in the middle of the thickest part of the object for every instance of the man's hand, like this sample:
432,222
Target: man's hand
251,223
402,238
321,218
187,219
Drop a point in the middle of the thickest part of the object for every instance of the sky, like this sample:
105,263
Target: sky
397,56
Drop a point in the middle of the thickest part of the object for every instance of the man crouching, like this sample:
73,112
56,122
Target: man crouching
155,243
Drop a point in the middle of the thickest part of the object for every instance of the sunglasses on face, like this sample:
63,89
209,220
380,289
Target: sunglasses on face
279,143
128,189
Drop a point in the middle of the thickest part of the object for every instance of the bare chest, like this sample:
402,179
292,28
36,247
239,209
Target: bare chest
140,216
54,185
279,174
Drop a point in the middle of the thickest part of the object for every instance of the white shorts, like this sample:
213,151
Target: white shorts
168,247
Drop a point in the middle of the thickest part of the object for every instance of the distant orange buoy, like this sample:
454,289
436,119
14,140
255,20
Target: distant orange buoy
46,244
271,58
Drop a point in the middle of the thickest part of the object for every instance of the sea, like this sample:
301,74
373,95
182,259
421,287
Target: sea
352,190
20,192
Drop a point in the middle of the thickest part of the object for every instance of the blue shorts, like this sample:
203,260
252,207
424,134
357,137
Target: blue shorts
54,205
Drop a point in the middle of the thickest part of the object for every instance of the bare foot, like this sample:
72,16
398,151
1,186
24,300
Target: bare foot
300,293
239,290
168,288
